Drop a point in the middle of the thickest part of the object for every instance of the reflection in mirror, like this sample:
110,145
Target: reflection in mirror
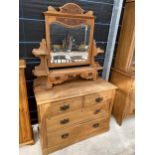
69,45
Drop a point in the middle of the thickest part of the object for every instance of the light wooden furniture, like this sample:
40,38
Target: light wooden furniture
123,72
124,103
69,43
72,111
25,131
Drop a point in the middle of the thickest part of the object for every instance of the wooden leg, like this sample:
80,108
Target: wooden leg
44,152
119,122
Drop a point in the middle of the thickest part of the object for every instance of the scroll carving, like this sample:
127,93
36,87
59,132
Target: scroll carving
71,8
70,22
42,69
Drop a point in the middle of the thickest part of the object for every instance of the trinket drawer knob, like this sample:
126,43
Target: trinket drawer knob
65,135
64,121
96,125
64,107
99,99
97,111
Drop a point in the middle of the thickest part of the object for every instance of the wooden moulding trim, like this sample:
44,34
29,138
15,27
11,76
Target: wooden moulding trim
30,142
87,15
127,1
52,65
128,74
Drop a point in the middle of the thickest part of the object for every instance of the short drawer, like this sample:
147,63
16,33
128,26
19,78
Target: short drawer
85,114
63,106
76,132
97,98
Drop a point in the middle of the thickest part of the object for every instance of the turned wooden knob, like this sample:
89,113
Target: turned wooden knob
99,99
64,107
64,135
64,121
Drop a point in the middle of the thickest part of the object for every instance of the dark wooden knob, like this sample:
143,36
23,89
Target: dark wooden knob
64,107
97,111
64,121
99,99
96,125
65,135
90,74
57,78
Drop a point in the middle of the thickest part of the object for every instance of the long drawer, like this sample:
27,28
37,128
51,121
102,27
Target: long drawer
82,115
77,131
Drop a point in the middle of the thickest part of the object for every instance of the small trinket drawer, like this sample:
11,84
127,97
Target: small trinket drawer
73,111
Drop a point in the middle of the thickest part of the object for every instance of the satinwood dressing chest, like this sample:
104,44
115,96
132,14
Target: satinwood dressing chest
73,103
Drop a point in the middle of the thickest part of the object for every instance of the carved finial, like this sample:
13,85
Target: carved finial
89,13
50,8
43,44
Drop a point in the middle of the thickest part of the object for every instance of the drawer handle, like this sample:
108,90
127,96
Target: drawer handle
64,107
57,78
96,125
64,121
99,99
97,111
64,135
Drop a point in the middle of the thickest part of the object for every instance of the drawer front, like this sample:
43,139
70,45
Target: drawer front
85,114
75,132
97,98
63,106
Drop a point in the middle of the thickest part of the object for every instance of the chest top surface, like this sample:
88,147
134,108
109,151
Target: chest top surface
71,89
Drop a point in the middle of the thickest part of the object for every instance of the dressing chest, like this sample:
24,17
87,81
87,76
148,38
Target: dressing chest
73,103
73,111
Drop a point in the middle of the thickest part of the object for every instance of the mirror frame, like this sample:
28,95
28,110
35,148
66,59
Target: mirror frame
70,15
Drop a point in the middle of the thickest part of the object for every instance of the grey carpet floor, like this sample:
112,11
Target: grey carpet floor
119,140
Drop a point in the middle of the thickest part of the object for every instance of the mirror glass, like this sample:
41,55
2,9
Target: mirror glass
69,45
